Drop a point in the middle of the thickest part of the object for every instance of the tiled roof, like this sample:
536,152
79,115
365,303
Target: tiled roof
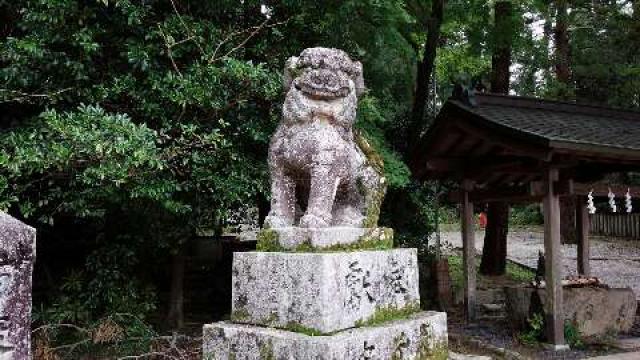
559,122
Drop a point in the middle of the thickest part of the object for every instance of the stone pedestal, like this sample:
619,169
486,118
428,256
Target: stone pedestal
17,254
327,305
419,336
325,292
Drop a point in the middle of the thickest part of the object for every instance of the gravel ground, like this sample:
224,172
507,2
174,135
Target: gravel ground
616,262
498,333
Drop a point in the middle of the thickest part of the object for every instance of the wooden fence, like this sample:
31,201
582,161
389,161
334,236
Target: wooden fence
619,225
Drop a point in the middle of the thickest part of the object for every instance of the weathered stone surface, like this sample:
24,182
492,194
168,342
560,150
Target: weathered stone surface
421,336
17,254
291,238
456,356
596,311
317,164
322,291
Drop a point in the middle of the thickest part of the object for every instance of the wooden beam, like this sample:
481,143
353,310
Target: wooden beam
468,253
553,261
510,141
465,146
582,236
560,187
508,195
475,165
445,145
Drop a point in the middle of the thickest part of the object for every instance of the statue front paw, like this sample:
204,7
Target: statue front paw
313,221
274,222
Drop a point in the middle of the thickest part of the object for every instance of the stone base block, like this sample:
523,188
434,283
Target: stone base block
323,292
595,311
421,336
293,238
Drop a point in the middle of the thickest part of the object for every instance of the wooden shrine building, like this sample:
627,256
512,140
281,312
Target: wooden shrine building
514,149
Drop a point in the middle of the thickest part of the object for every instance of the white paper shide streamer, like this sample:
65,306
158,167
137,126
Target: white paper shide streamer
627,201
590,205
612,201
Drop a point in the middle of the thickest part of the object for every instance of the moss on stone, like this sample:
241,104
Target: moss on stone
438,352
239,315
374,239
374,198
267,240
373,158
373,195
305,247
273,318
378,237
385,314
266,351
428,349
299,328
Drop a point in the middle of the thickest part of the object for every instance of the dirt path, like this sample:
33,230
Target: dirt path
615,262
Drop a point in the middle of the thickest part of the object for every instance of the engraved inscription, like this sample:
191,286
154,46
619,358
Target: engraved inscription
402,344
369,351
5,325
396,278
358,286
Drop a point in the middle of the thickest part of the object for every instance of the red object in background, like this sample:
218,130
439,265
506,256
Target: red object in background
482,220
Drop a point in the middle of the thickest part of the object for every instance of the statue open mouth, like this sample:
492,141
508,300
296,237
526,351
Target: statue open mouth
322,84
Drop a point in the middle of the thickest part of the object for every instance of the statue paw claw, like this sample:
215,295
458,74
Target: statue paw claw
313,221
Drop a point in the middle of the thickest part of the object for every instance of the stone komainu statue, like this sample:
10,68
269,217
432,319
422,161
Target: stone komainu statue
322,174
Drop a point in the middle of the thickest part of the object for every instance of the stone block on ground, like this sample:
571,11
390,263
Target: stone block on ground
456,356
630,343
420,336
292,238
596,311
325,292
17,255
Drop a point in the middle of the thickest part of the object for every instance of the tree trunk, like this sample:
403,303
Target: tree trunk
425,70
502,43
563,75
561,39
494,251
175,318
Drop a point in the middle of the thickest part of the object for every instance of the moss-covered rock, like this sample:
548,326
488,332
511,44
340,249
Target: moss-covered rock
266,351
391,313
298,328
239,315
267,240
374,188
373,239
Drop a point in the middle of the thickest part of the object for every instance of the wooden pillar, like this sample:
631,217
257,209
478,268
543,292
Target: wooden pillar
468,253
582,236
553,262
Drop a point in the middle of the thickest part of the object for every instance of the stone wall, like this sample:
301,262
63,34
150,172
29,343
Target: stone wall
17,255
